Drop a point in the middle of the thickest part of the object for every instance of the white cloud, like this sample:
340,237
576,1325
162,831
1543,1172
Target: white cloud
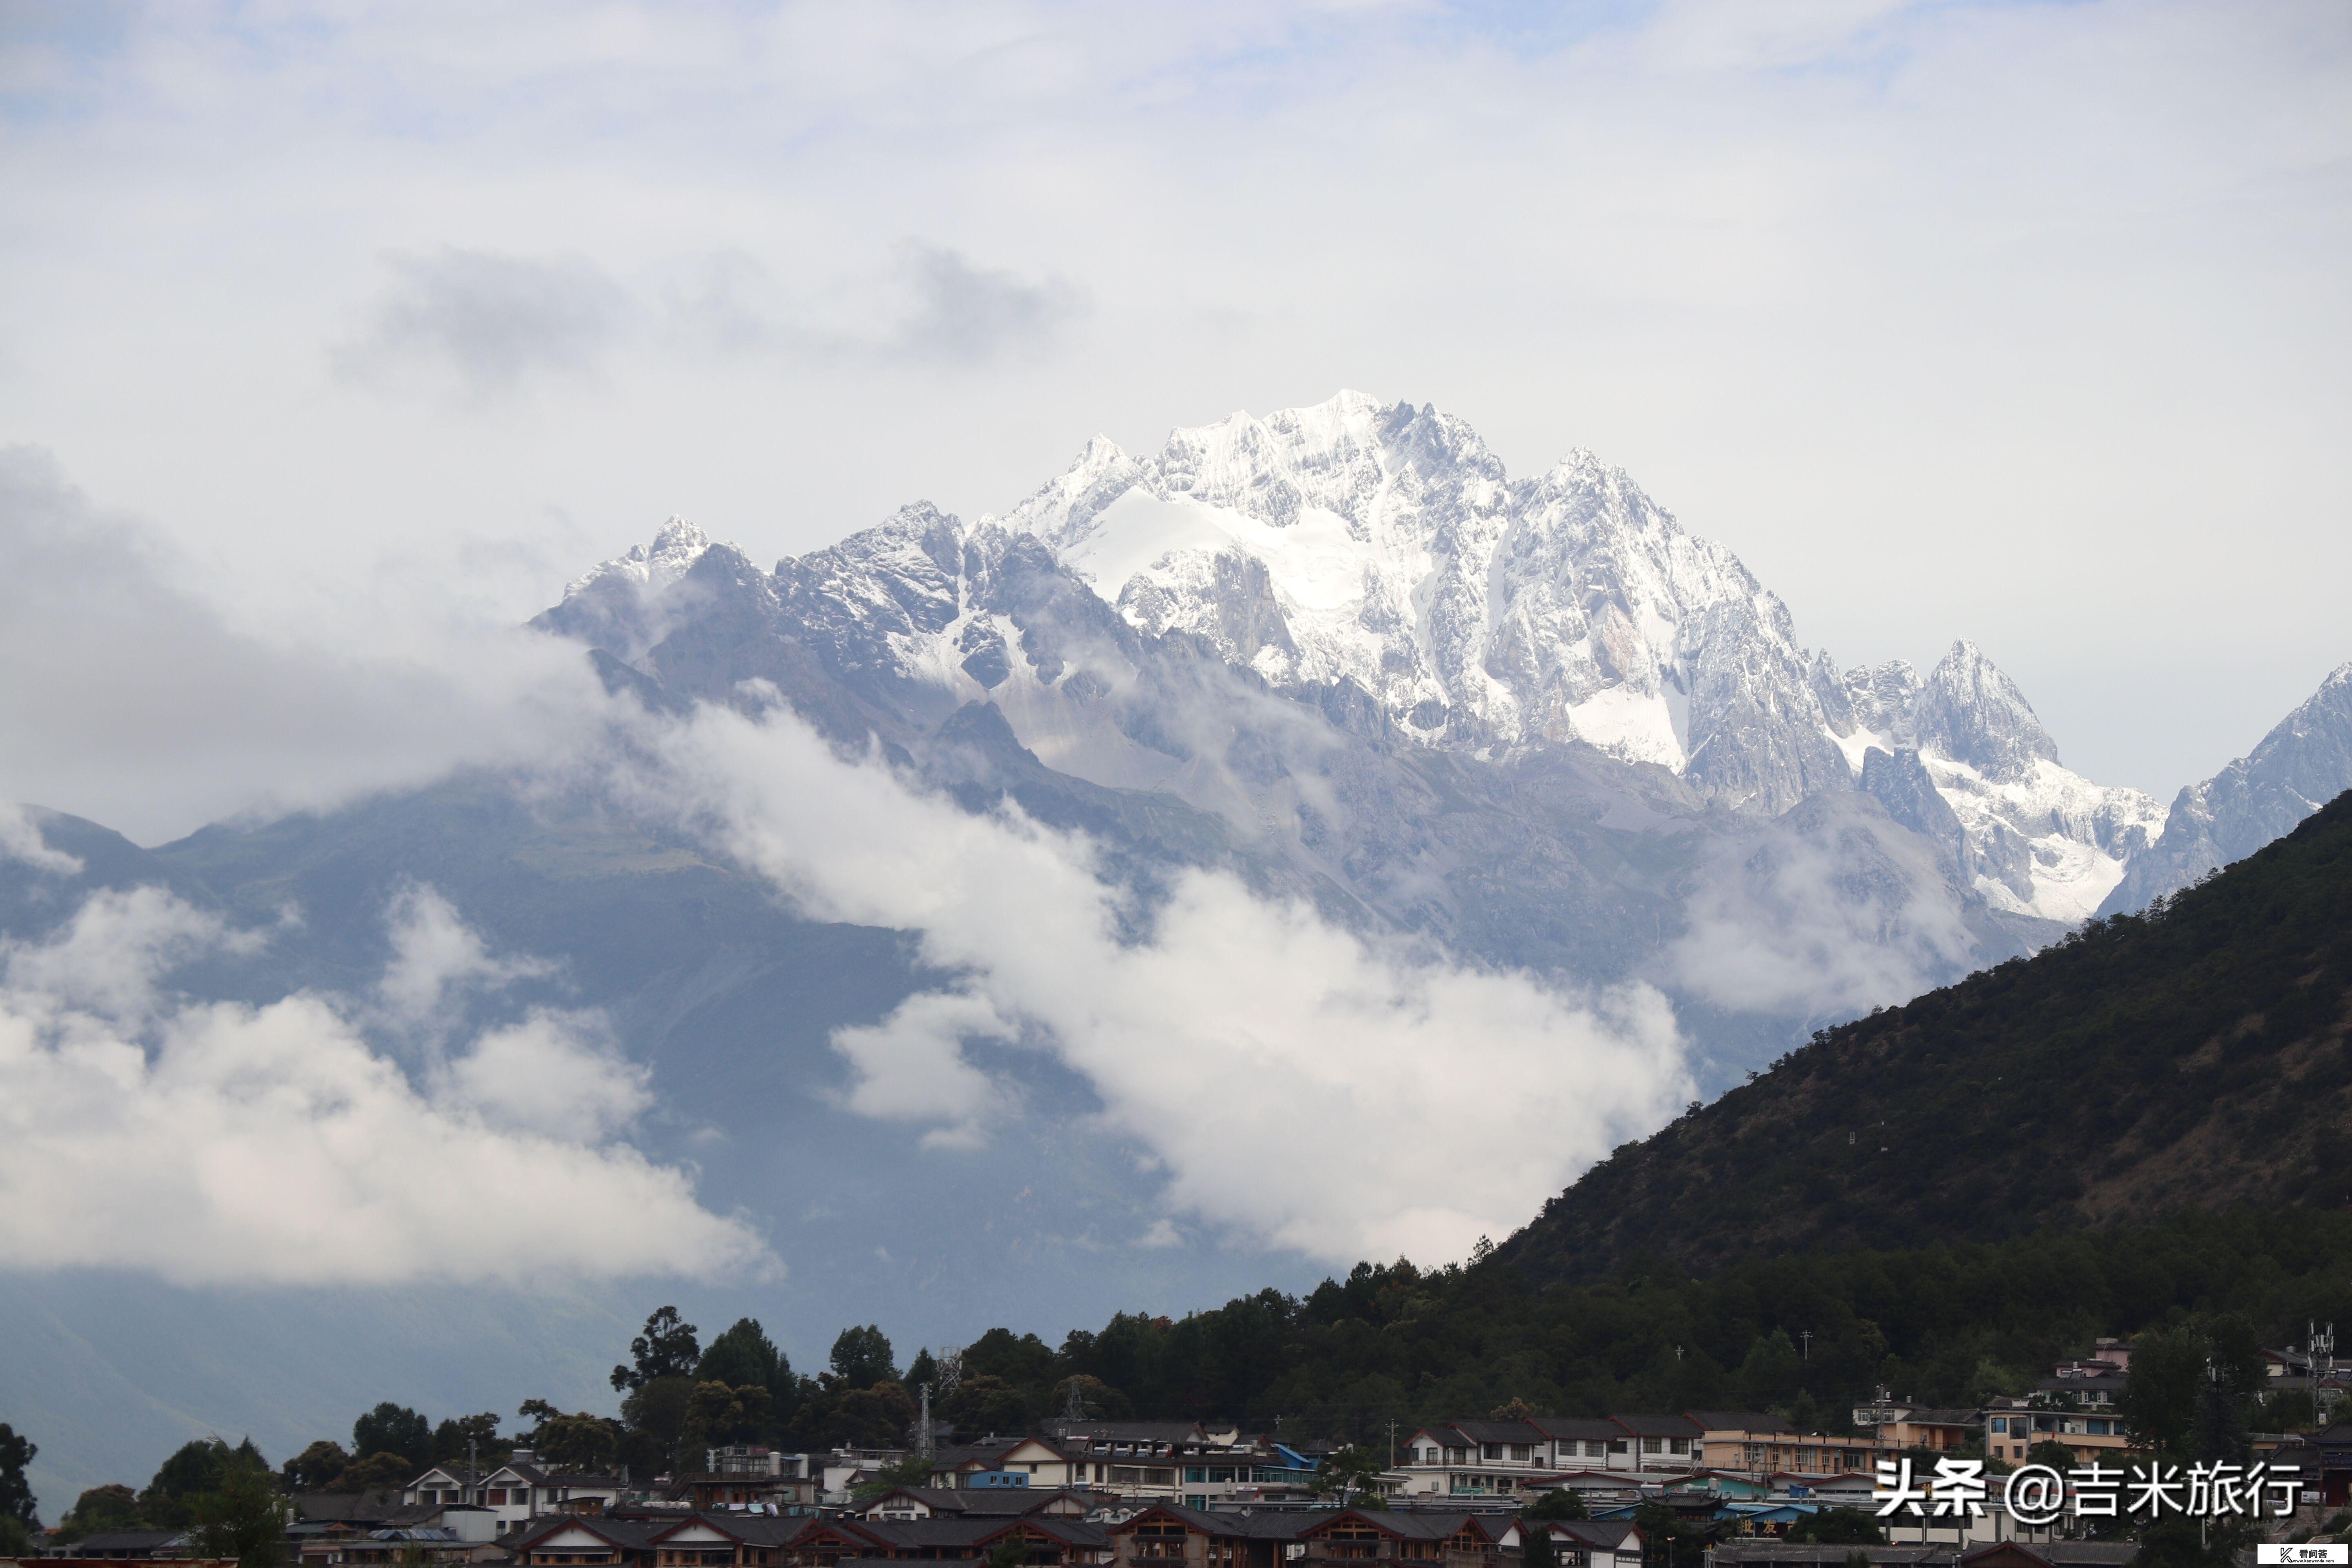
1287,1076
971,315
223,1144
1830,911
1842,283
910,1067
1160,1233
557,1073
108,957
136,702
20,840
490,320
435,954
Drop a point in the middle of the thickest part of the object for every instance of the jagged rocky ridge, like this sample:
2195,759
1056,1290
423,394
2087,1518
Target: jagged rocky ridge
2260,797
1386,546
1339,651
1383,550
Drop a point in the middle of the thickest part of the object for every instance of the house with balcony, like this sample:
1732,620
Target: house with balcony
2077,1406
1903,1424
1760,1444
1587,1442
1663,1443
1494,1458
513,1493
1197,1464
749,1477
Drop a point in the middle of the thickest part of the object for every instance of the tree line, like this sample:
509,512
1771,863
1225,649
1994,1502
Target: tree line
1808,1336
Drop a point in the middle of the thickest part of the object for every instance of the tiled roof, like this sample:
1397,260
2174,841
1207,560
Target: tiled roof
1497,1431
1131,1431
121,1542
1741,1421
354,1505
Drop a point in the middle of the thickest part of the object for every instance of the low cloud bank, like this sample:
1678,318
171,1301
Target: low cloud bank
1301,1086
219,1144
1833,909
136,702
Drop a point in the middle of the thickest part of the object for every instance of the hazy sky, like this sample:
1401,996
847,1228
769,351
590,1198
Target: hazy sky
2024,322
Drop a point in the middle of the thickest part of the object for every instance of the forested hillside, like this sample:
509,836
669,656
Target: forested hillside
1805,1334
2192,1055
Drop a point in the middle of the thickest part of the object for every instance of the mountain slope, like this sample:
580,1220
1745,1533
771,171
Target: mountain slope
1386,546
2194,1055
2305,759
1550,855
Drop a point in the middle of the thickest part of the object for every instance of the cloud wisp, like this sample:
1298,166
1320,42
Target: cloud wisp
1272,1065
488,321
134,701
1835,910
971,315
220,1143
931,306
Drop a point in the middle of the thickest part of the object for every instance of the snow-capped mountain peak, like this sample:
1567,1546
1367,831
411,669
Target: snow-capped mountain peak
1398,554
1973,713
676,546
1383,547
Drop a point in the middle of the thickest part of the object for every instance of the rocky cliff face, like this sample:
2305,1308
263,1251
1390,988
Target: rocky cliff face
2298,767
1961,757
1351,657
1385,546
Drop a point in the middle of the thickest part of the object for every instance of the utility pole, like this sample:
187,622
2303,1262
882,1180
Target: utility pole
1805,1343
472,1475
2320,1358
923,1443
1392,1445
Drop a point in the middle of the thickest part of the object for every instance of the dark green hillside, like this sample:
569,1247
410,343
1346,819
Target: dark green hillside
2195,1056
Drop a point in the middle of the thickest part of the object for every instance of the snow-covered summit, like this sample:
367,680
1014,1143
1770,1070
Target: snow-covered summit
1972,713
1384,545
676,546
624,604
2033,837
2305,762
1399,554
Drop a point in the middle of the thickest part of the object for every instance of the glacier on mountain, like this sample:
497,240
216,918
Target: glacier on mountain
1270,619
1386,546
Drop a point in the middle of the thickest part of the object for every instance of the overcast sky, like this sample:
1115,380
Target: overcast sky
2023,322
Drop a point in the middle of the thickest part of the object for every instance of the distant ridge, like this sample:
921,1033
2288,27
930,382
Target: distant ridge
2192,1056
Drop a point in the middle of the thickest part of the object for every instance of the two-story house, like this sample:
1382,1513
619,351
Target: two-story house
1758,1444
1904,1424
1199,1464
2076,1406
1501,1459
514,1492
